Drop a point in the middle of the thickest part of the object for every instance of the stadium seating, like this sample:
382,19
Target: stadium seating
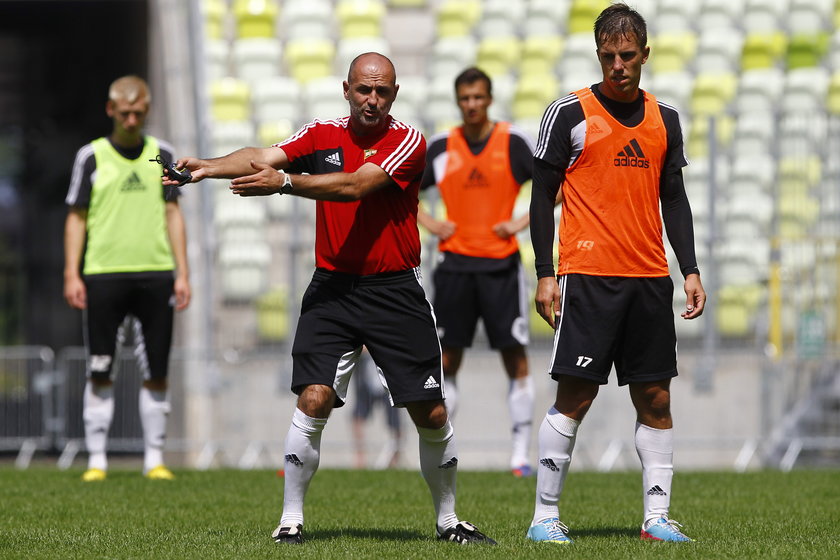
546,17
256,58
230,100
720,14
277,98
255,18
360,18
764,16
456,18
672,52
768,71
582,14
324,99
763,50
497,55
712,93
213,13
451,54
307,19
309,59
806,50
349,48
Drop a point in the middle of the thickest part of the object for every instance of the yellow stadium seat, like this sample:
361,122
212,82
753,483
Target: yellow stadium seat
255,18
230,100
582,14
737,307
457,17
271,132
712,93
797,214
806,49
272,314
213,13
833,99
308,59
672,52
533,94
697,143
540,54
497,55
360,18
763,50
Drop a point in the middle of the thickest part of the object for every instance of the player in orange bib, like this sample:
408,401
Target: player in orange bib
478,168
616,156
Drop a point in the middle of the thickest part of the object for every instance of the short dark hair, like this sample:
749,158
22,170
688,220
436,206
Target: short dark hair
472,75
620,20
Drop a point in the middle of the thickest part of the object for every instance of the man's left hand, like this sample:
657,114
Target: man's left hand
264,182
695,299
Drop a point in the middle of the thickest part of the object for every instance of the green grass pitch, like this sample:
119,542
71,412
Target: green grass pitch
46,513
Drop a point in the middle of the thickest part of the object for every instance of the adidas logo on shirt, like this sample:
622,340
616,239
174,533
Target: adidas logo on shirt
656,491
431,383
632,156
333,159
133,183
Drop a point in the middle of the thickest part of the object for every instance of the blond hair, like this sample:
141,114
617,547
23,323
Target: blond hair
129,88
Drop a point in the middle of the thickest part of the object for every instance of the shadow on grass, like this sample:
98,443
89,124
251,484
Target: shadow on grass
401,535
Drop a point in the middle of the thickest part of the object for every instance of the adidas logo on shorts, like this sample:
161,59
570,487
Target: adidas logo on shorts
431,383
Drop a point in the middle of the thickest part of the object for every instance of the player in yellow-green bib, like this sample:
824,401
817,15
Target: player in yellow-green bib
125,266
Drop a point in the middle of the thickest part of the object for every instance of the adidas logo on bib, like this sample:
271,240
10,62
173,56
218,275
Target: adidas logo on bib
334,159
431,383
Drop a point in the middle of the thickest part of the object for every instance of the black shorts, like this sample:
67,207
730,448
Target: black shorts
499,297
389,314
608,320
110,299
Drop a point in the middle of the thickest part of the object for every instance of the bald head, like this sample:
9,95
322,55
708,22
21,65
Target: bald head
130,89
372,62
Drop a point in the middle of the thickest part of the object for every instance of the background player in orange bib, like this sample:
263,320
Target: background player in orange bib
617,155
479,168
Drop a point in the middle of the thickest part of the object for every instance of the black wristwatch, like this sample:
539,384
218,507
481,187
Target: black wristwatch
287,186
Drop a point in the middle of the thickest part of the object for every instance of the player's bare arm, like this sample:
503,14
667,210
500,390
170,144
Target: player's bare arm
75,228
695,297
509,228
443,229
336,187
235,164
178,241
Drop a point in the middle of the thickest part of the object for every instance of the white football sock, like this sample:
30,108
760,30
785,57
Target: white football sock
98,410
656,452
302,455
521,406
154,409
451,400
556,442
439,465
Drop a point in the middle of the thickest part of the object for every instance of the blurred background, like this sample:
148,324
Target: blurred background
757,84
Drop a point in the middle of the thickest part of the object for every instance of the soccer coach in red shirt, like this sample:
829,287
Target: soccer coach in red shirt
364,172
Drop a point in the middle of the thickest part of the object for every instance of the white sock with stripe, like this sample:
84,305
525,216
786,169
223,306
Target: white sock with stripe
439,465
154,410
556,442
656,452
302,455
521,406
451,400
98,410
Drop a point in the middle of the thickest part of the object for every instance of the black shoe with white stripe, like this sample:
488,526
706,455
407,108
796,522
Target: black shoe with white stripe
288,534
464,533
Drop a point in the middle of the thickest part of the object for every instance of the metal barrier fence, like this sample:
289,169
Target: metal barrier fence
27,420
